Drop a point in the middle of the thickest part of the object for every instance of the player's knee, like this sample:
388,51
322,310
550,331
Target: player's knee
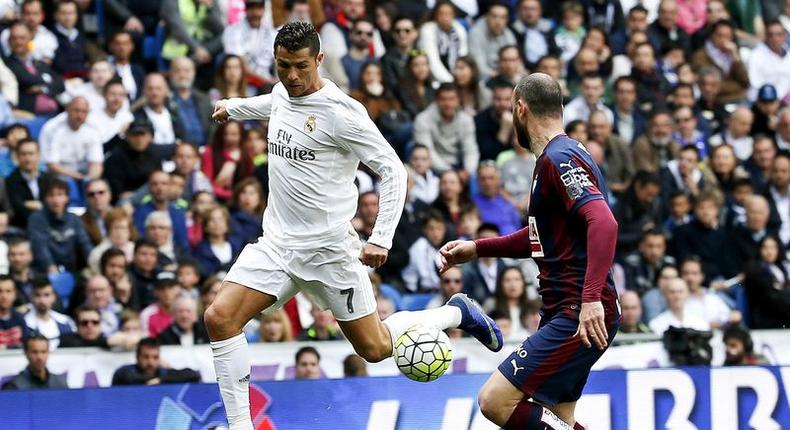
218,321
490,405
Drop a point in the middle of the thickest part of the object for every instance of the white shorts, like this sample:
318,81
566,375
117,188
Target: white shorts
332,276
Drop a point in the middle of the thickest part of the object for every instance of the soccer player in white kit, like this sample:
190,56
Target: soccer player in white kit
317,137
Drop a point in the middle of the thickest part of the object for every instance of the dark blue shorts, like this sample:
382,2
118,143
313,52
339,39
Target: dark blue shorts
552,366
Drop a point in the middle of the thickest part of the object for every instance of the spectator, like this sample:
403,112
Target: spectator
157,316
89,333
760,164
666,29
517,168
766,285
120,234
188,276
121,47
533,33
651,85
219,247
683,174
426,183
166,124
36,374
132,162
99,197
769,62
509,66
708,105
358,53
159,200
249,204
739,347
159,230
766,110
416,88
58,237
42,319
487,36
448,132
186,160
354,366
586,62
276,327
619,165
307,362
444,40
193,29
702,301
577,130
511,300
186,329
705,238
12,323
43,42
230,80
368,209
202,201
113,266
222,158
638,211
148,370
421,274
143,272
642,267
746,237
453,198
112,116
101,73
494,207
70,57
679,212
783,129
721,52
192,105
629,122
778,193
98,295
20,269
473,94
38,83
451,282
727,173
631,311
336,29
71,145
324,326
687,131
737,133
28,181
569,35
494,125
481,277
253,39
393,62
656,148
590,100
377,98
677,315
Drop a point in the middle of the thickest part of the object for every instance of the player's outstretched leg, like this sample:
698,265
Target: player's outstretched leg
233,307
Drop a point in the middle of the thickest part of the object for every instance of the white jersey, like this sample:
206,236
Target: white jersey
315,145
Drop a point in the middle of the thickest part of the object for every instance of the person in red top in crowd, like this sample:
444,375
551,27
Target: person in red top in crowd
12,324
222,157
571,235
156,317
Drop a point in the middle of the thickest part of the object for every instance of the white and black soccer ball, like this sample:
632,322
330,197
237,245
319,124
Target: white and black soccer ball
423,353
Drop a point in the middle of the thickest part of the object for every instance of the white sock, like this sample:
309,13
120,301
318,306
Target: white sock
232,364
442,318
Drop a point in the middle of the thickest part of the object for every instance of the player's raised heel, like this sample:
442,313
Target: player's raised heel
475,322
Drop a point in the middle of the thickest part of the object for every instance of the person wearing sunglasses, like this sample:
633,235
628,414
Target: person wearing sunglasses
359,52
393,62
89,332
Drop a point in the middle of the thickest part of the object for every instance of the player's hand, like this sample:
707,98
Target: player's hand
457,252
592,326
220,114
373,255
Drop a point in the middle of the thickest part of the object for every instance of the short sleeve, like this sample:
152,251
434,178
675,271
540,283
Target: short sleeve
573,180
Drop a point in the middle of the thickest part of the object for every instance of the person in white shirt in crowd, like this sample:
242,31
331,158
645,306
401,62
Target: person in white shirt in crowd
42,319
252,38
98,295
155,109
71,146
426,183
44,41
769,63
448,132
487,36
101,72
737,133
421,274
677,314
591,99
444,41
704,302
783,129
778,195
114,117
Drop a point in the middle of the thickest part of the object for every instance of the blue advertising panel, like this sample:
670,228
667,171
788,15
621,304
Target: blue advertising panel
701,398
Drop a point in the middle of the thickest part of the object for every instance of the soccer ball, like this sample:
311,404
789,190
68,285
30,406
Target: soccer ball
423,353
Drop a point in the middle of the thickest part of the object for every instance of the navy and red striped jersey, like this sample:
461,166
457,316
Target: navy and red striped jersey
565,178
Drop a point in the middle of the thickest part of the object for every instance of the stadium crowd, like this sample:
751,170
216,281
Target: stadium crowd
122,205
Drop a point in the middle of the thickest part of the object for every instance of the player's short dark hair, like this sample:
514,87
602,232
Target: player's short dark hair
306,350
446,87
147,342
298,35
33,337
487,226
56,184
542,94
